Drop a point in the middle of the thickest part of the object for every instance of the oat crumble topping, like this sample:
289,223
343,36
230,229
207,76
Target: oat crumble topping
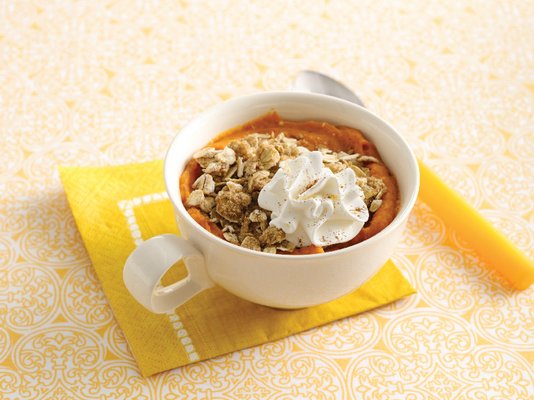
228,189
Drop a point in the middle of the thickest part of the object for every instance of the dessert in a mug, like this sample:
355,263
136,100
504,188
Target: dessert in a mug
290,187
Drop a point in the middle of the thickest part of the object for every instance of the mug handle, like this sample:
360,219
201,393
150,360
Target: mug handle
147,264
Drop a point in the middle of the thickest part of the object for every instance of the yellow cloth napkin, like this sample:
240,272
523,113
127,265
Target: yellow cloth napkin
116,206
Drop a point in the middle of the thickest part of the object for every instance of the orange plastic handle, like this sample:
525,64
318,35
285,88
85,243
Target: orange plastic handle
491,245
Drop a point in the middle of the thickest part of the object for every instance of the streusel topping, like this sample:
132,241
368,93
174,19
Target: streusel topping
232,178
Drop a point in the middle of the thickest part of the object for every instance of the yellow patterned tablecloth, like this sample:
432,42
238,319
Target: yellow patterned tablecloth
110,82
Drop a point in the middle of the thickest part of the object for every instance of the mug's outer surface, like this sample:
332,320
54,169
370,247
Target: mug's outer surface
286,281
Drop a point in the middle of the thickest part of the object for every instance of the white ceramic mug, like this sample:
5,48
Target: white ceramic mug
282,281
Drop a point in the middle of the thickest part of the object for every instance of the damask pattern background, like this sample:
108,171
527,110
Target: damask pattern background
111,82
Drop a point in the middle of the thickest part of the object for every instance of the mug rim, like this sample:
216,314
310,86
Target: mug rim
175,198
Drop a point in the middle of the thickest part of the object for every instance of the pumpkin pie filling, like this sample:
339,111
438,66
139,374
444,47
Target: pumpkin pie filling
220,185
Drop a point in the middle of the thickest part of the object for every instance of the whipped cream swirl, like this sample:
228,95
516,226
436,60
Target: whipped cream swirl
311,204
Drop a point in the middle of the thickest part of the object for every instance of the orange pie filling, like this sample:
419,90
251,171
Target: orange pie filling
220,185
